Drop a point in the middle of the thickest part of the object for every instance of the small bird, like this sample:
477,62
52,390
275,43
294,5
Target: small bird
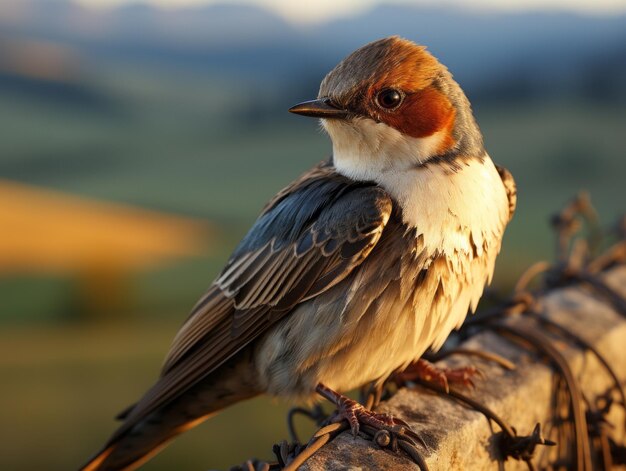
352,271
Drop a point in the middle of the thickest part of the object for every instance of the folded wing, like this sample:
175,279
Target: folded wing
309,238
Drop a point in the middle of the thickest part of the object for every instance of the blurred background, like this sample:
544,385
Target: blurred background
138,141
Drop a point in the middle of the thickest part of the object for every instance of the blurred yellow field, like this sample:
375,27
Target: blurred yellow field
44,230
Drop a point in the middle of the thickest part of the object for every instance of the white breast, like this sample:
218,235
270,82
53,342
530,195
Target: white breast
458,214
446,206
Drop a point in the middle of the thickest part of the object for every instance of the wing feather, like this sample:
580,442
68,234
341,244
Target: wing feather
307,239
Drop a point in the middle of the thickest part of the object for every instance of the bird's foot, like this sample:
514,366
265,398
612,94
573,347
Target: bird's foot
356,415
444,377
384,428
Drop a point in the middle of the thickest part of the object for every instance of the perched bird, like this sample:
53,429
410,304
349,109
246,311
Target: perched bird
352,271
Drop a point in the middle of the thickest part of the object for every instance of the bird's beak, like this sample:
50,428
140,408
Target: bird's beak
320,108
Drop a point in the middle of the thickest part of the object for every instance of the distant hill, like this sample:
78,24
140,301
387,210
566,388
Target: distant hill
514,55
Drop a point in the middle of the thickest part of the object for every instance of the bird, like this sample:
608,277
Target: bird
351,272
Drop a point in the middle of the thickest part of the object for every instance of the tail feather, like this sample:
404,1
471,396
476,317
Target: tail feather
140,444
131,446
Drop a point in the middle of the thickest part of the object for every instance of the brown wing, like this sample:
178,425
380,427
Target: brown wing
310,237
510,187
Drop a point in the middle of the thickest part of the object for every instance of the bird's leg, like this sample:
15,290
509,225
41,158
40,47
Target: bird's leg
426,371
356,414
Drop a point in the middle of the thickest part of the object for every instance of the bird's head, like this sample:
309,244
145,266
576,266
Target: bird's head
390,106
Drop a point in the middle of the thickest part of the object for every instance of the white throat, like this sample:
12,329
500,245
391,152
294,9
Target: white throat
446,207
364,149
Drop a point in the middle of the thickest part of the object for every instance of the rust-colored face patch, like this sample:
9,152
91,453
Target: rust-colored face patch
421,114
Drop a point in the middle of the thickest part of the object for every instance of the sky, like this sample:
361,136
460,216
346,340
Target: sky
319,10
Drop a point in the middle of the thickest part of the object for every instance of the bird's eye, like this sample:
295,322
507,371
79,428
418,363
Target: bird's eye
389,99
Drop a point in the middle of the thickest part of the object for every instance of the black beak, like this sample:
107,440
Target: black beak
320,108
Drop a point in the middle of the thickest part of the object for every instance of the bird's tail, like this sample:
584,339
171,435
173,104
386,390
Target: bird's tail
130,447
142,442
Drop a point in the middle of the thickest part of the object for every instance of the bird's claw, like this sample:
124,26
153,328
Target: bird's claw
383,429
444,377
356,414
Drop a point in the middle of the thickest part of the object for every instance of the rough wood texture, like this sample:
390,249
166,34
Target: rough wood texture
460,439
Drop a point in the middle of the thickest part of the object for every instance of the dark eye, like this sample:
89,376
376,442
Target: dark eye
389,99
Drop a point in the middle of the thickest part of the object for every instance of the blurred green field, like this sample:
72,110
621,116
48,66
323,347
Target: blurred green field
63,385
191,145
